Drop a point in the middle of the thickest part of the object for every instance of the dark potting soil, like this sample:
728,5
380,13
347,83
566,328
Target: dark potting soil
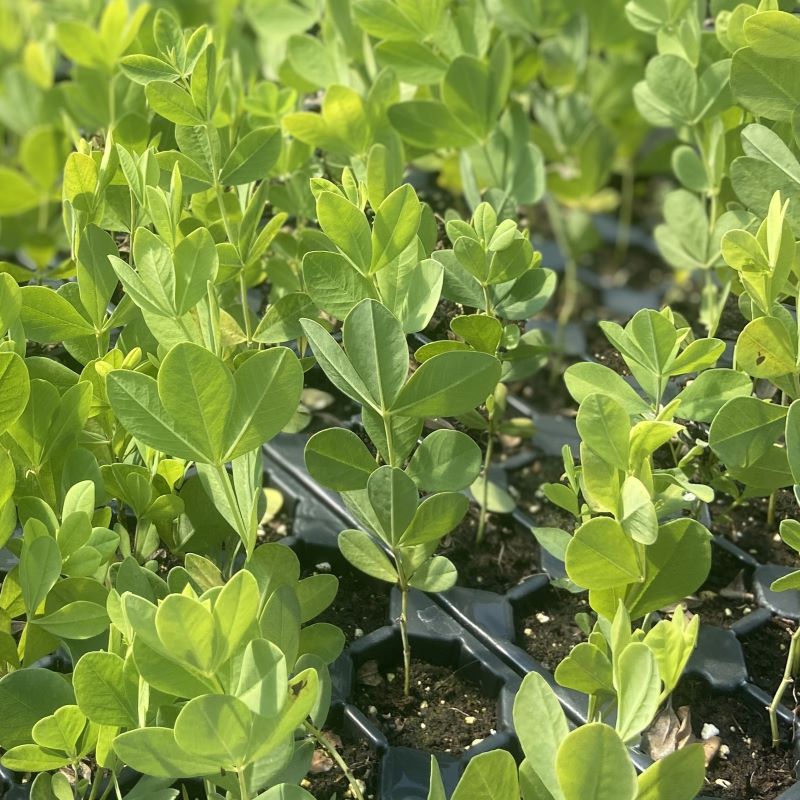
279,527
507,555
545,624
601,350
527,483
360,606
727,594
765,651
746,525
326,780
546,391
443,712
752,769
438,328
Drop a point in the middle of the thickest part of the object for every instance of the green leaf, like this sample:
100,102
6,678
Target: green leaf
333,283
766,349
376,347
31,757
394,500
702,399
338,459
197,391
39,569
744,430
136,404
437,574
268,386
253,157
481,332
767,87
187,631
143,69
586,378
347,227
80,181
195,264
262,678
593,764
675,567
27,696
154,751
106,692
679,776
235,610
638,689
638,518
395,227
601,556
173,103
361,550
793,440
605,428
445,461
80,619
19,194
541,728
492,774
49,317
14,389
430,125
435,517
60,730
448,384
217,728
586,669
281,323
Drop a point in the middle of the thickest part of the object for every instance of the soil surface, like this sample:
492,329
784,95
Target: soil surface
545,625
765,651
746,525
751,769
360,605
527,483
727,594
507,555
443,712
326,780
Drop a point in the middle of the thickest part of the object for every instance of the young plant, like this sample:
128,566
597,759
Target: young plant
494,269
201,411
589,761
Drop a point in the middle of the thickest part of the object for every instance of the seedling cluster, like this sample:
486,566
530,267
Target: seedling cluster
491,281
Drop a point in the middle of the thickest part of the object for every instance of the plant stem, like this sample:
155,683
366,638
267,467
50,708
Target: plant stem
387,429
245,307
787,679
243,793
404,638
570,281
625,215
334,753
230,496
487,462
771,510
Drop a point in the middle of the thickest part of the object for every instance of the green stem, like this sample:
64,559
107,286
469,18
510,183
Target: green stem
230,496
570,283
487,462
404,638
771,510
592,708
355,789
784,684
387,429
245,307
244,794
625,214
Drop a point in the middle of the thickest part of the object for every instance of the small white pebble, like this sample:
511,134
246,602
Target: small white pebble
390,676
747,610
776,537
475,742
358,633
441,702
470,720
543,618
724,752
423,704
723,783
422,725
323,566
708,731
372,711
528,631
492,731
728,612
